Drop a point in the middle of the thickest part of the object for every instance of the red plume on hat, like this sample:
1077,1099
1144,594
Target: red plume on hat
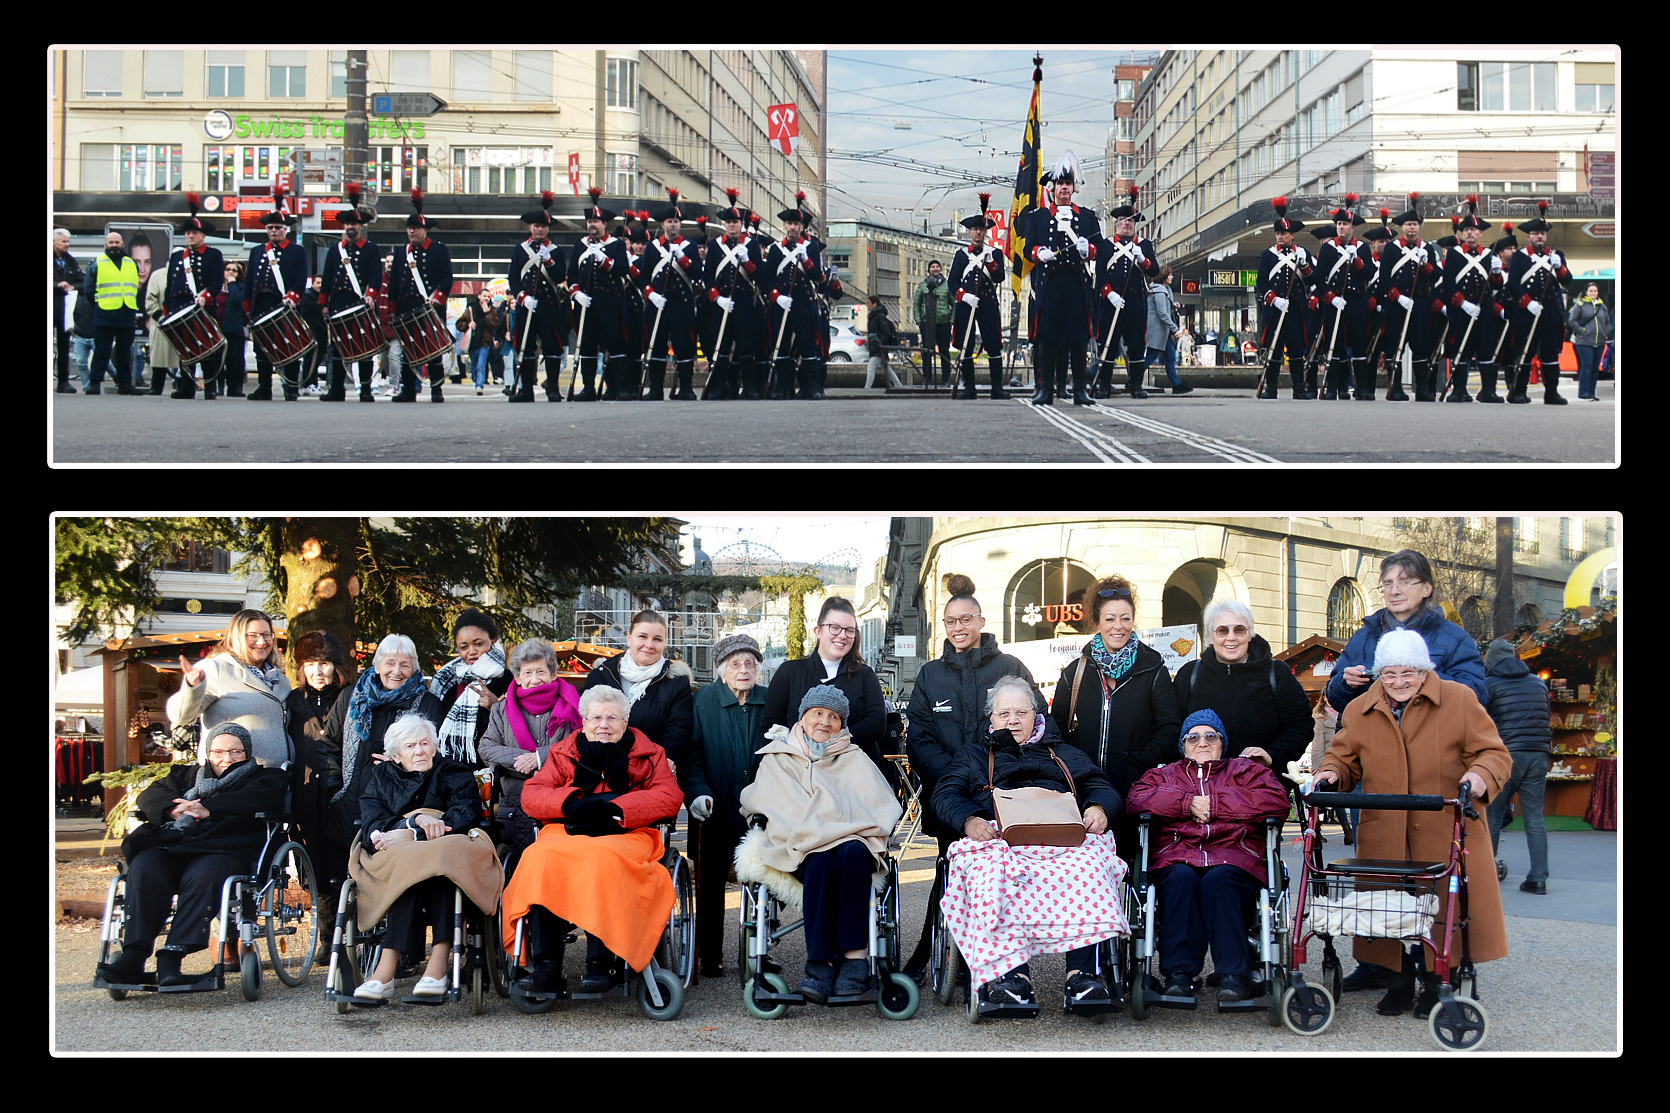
278,196
701,220
672,193
1280,205
353,192
192,201
1132,190
1455,221
417,200
1350,198
1542,208
800,196
1507,227
546,197
732,194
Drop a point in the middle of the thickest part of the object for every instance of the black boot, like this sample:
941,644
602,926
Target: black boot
128,967
408,386
686,369
807,381
1042,380
1520,377
997,380
1487,383
1081,395
334,388
1298,376
965,379
159,382
1458,384
522,387
1395,391
168,966
589,374
367,394
1423,382
657,377
1551,382
1103,387
263,391
1267,381
184,385
1401,995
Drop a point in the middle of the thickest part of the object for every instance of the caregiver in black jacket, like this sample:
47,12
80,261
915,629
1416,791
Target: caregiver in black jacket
836,661
1265,712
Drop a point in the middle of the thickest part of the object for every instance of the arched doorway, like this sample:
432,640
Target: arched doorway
1186,594
1345,610
1475,617
1045,600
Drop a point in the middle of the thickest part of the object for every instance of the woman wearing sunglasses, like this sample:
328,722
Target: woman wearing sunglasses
1266,714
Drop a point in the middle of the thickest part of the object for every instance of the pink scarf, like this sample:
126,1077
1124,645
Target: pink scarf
558,694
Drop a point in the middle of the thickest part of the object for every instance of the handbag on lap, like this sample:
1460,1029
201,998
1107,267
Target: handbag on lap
1036,816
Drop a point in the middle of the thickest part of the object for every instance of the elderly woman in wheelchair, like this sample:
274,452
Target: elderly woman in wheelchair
820,815
597,864
1211,858
202,827
419,835
1030,889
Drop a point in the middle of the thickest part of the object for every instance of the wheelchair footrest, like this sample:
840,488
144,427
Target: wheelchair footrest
1156,996
1006,1012
446,998
1251,1005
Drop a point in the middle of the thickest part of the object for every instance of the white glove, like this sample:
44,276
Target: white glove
1280,304
594,251
1045,254
784,302
1420,254
1338,303
1469,308
1117,301
531,304
1406,301
582,297
545,253
1304,259
701,807
1555,257
725,303
657,300
800,250
1535,307
971,301
678,248
1083,246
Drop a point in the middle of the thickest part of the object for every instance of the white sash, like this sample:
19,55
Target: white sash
186,265
272,266
347,265
411,263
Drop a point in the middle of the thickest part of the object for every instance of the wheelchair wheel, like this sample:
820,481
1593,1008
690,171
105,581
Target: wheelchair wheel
534,1008
1464,1032
945,960
249,969
899,998
478,991
292,920
1308,1009
498,965
776,984
1278,990
672,994
679,943
1332,978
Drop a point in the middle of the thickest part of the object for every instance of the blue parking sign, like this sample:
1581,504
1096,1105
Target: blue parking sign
382,105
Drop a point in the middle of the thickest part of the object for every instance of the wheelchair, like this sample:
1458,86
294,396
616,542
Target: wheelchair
659,987
1269,940
766,994
275,899
477,961
947,972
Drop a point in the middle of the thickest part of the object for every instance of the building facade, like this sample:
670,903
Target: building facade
130,127
890,263
1299,576
1122,146
1220,133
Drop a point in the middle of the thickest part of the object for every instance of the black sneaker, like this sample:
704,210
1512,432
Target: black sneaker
1086,989
1178,984
1011,989
1397,999
1369,975
1428,1000
599,978
1233,987
546,977
854,977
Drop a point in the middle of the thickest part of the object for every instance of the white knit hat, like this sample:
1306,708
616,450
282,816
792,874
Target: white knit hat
1402,647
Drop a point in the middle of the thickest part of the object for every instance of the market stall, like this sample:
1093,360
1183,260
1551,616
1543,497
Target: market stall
1575,652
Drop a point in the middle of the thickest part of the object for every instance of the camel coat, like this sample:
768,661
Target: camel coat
1445,734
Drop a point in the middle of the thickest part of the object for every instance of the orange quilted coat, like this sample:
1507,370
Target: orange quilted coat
610,886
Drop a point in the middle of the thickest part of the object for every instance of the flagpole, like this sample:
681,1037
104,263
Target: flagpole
1027,181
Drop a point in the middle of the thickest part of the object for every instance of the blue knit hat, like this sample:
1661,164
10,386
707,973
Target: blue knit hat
825,695
1204,717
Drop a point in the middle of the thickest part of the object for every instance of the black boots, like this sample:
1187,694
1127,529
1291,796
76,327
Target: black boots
1487,384
1081,396
1458,384
1550,381
686,371
1133,385
997,380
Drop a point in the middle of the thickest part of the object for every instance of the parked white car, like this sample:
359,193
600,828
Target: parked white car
846,345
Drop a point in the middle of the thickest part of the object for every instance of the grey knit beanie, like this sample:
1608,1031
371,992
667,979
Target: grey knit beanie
736,643
235,731
825,695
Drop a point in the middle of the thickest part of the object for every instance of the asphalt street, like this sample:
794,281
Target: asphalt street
1558,992
1210,426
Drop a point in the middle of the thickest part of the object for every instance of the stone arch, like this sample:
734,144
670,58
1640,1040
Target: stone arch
1044,599
1345,609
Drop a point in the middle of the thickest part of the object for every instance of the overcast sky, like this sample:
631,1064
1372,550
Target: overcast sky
966,110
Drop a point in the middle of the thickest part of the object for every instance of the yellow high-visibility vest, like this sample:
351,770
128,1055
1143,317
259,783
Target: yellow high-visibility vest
117,286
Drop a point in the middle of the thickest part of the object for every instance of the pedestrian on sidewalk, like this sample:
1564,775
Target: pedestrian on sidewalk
1519,707
1163,331
881,336
1590,327
66,277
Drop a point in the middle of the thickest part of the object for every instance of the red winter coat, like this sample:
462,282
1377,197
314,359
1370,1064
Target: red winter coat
1242,792
653,793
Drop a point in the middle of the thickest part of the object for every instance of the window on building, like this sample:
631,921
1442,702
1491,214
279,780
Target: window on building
1345,611
101,73
1046,600
1127,89
1525,536
165,73
1574,540
98,167
622,83
339,74
517,170
399,169
408,71
226,73
287,73
1505,86
1595,98
534,74
622,176
193,556
472,74
132,167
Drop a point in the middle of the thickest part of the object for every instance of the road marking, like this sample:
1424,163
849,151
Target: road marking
1195,440
1093,439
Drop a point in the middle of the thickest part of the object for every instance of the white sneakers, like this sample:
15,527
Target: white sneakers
375,990
430,987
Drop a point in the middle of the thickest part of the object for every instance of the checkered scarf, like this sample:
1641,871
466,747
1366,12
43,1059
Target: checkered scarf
458,732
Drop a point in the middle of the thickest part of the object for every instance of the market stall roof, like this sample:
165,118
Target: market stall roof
1303,657
576,658
80,690
115,645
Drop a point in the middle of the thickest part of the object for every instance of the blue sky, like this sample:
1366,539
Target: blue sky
966,109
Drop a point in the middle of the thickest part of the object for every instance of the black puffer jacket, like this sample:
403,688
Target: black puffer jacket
231,827
1258,698
1140,727
962,791
1518,701
390,792
341,815
948,705
664,713
309,708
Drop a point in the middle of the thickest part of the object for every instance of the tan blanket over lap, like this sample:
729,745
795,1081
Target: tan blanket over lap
382,877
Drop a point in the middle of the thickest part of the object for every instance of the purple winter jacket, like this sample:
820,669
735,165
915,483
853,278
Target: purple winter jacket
1242,792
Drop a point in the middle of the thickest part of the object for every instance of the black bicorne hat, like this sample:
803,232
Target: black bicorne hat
417,219
1284,223
1129,211
541,215
798,213
1471,220
194,223
595,210
733,212
672,211
1347,211
1539,222
1507,239
981,221
1412,213
278,215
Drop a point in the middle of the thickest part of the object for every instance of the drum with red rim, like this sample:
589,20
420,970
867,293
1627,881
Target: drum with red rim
423,335
356,334
194,334
282,335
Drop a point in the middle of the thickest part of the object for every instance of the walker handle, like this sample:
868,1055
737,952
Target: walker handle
1375,801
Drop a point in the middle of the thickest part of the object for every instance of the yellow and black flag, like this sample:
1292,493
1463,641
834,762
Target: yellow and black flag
1026,186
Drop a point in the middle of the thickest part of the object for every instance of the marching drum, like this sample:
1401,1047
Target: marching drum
283,336
356,334
194,334
423,336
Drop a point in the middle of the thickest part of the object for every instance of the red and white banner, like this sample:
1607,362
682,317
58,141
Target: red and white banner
783,127
574,172
999,233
